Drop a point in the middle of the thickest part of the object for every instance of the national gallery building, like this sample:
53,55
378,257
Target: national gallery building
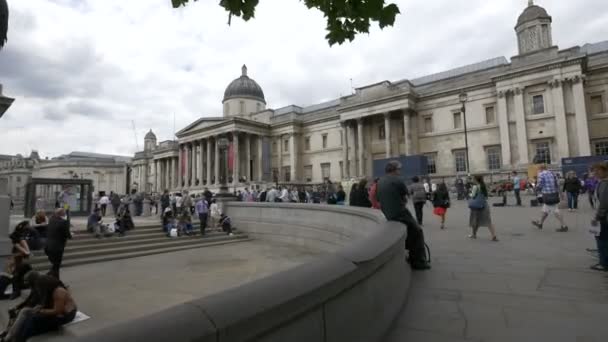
545,104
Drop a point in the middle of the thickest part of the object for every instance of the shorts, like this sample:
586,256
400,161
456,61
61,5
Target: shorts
553,208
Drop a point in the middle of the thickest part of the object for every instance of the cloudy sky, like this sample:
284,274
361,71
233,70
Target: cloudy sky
84,71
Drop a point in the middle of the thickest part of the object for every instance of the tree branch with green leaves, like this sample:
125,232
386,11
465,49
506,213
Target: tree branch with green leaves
345,18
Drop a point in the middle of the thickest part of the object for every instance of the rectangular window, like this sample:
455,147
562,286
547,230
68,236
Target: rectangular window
596,104
538,104
19,179
324,140
490,116
285,146
381,133
601,148
341,170
460,161
274,148
325,171
457,120
275,175
308,173
543,153
428,124
431,166
493,157
287,173
242,107
307,144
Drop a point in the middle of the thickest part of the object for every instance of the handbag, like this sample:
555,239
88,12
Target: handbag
478,202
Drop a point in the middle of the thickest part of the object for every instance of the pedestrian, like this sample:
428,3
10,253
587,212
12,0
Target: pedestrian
362,195
590,187
202,210
601,216
58,232
353,196
548,188
115,201
480,215
418,193
392,194
340,195
103,204
441,202
373,190
572,188
516,188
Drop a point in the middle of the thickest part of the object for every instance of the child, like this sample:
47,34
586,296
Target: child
226,224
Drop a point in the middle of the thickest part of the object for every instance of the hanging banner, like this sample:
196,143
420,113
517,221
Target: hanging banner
231,156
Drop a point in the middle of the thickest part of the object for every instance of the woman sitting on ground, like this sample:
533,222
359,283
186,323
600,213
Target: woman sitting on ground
15,272
56,308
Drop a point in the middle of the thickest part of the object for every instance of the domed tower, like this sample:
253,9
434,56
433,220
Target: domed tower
533,29
243,96
149,141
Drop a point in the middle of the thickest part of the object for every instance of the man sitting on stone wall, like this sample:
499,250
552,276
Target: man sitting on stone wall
392,194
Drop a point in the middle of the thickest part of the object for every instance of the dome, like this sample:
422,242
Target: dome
244,87
150,135
532,12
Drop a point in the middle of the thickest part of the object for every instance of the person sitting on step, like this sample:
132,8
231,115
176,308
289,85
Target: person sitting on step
226,224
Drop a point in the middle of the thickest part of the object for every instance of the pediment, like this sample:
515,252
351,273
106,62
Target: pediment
200,124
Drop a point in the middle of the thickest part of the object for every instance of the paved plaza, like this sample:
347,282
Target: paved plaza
531,286
116,291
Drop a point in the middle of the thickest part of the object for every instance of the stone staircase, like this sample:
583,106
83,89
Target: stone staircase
84,248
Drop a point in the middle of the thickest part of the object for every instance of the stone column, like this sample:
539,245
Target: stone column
360,147
174,162
293,155
280,158
407,133
188,172
582,123
561,127
168,172
236,165
259,165
522,134
345,149
387,134
208,161
248,157
352,164
503,128
180,162
201,163
192,164
157,186
216,164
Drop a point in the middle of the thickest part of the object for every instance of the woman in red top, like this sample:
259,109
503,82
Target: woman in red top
372,194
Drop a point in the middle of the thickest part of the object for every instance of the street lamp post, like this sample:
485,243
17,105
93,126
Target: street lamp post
463,99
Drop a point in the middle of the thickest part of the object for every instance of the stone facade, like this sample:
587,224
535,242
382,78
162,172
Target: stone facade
108,173
543,105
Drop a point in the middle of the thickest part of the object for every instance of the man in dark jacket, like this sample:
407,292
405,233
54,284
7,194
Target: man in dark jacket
165,202
58,232
392,194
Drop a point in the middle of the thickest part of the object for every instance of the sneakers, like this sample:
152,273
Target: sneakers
537,224
562,229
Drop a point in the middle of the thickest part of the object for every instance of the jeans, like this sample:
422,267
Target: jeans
103,209
517,196
36,324
55,257
572,200
203,218
418,209
602,249
414,242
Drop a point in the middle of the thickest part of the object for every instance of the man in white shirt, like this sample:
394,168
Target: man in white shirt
284,195
271,196
103,204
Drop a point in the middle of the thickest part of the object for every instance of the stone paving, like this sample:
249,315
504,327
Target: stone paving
532,285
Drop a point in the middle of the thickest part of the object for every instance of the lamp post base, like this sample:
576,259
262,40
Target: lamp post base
223,196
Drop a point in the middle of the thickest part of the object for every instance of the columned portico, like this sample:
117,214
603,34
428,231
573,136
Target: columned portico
345,163
180,167
260,170
248,157
216,164
208,161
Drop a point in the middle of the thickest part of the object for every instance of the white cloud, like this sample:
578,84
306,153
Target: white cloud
82,71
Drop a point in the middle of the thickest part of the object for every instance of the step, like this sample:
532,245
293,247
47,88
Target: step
127,240
168,242
42,267
139,230
85,238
